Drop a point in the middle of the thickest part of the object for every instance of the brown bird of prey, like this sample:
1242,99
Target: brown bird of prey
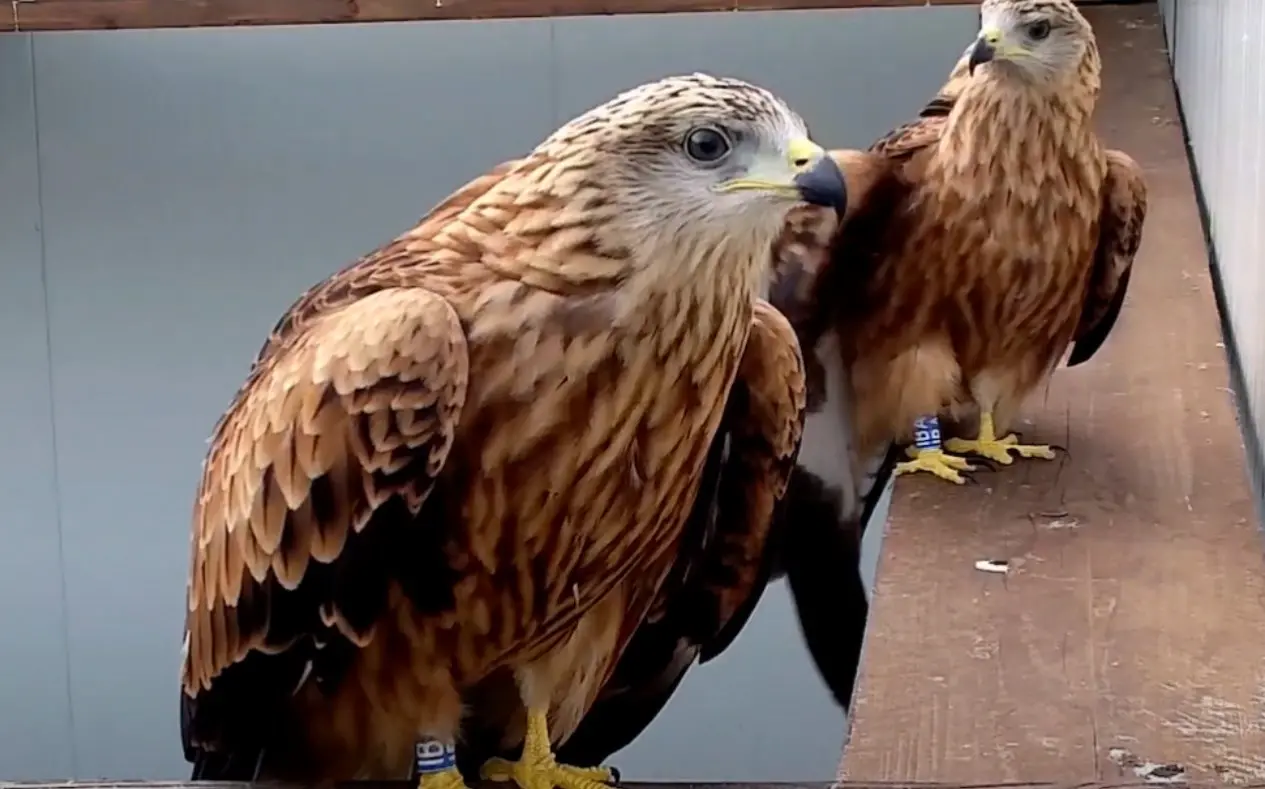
814,542
1009,234
473,453
980,240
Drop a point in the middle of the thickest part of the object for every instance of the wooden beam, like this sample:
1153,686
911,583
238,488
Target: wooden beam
1125,640
627,785
37,15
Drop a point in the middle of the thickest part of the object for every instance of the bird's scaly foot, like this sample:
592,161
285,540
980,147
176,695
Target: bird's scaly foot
538,769
444,779
936,461
546,773
1003,450
435,764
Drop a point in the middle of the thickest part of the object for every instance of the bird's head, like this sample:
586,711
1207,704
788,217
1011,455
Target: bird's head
688,161
1040,41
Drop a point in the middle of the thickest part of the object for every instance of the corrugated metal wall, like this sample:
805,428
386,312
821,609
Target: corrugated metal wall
1217,47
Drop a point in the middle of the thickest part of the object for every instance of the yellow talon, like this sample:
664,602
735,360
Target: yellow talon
538,769
445,779
936,461
1001,450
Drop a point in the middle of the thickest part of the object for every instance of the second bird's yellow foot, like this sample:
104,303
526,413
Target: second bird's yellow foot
1003,450
544,772
443,779
936,461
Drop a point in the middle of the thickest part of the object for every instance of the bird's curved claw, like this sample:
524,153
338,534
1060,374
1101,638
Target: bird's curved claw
1003,450
981,464
445,779
936,461
1056,448
546,773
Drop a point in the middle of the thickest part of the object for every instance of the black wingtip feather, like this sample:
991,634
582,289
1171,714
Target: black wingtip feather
1088,344
823,570
726,635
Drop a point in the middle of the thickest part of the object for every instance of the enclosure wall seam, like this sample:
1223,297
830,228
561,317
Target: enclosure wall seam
63,588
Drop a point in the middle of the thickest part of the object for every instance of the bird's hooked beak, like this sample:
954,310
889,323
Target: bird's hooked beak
989,46
806,172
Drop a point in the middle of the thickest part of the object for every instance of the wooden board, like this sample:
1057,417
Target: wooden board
631,785
35,15
1130,632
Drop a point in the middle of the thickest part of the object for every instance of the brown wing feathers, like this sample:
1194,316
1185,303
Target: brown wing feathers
358,404
331,427
765,438
1123,212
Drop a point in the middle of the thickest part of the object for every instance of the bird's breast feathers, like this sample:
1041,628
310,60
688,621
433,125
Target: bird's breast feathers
1037,223
582,443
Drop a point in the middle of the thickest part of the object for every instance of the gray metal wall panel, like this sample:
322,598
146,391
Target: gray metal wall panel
34,697
843,70
1220,76
197,181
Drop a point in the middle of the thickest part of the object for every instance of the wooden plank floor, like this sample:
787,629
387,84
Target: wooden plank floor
1130,631
104,784
137,784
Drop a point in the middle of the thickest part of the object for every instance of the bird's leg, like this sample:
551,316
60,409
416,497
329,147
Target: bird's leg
928,455
435,765
988,445
538,769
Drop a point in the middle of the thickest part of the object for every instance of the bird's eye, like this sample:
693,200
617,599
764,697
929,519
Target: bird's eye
1039,30
706,144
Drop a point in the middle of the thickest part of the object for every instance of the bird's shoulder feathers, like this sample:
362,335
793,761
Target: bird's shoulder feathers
1124,205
